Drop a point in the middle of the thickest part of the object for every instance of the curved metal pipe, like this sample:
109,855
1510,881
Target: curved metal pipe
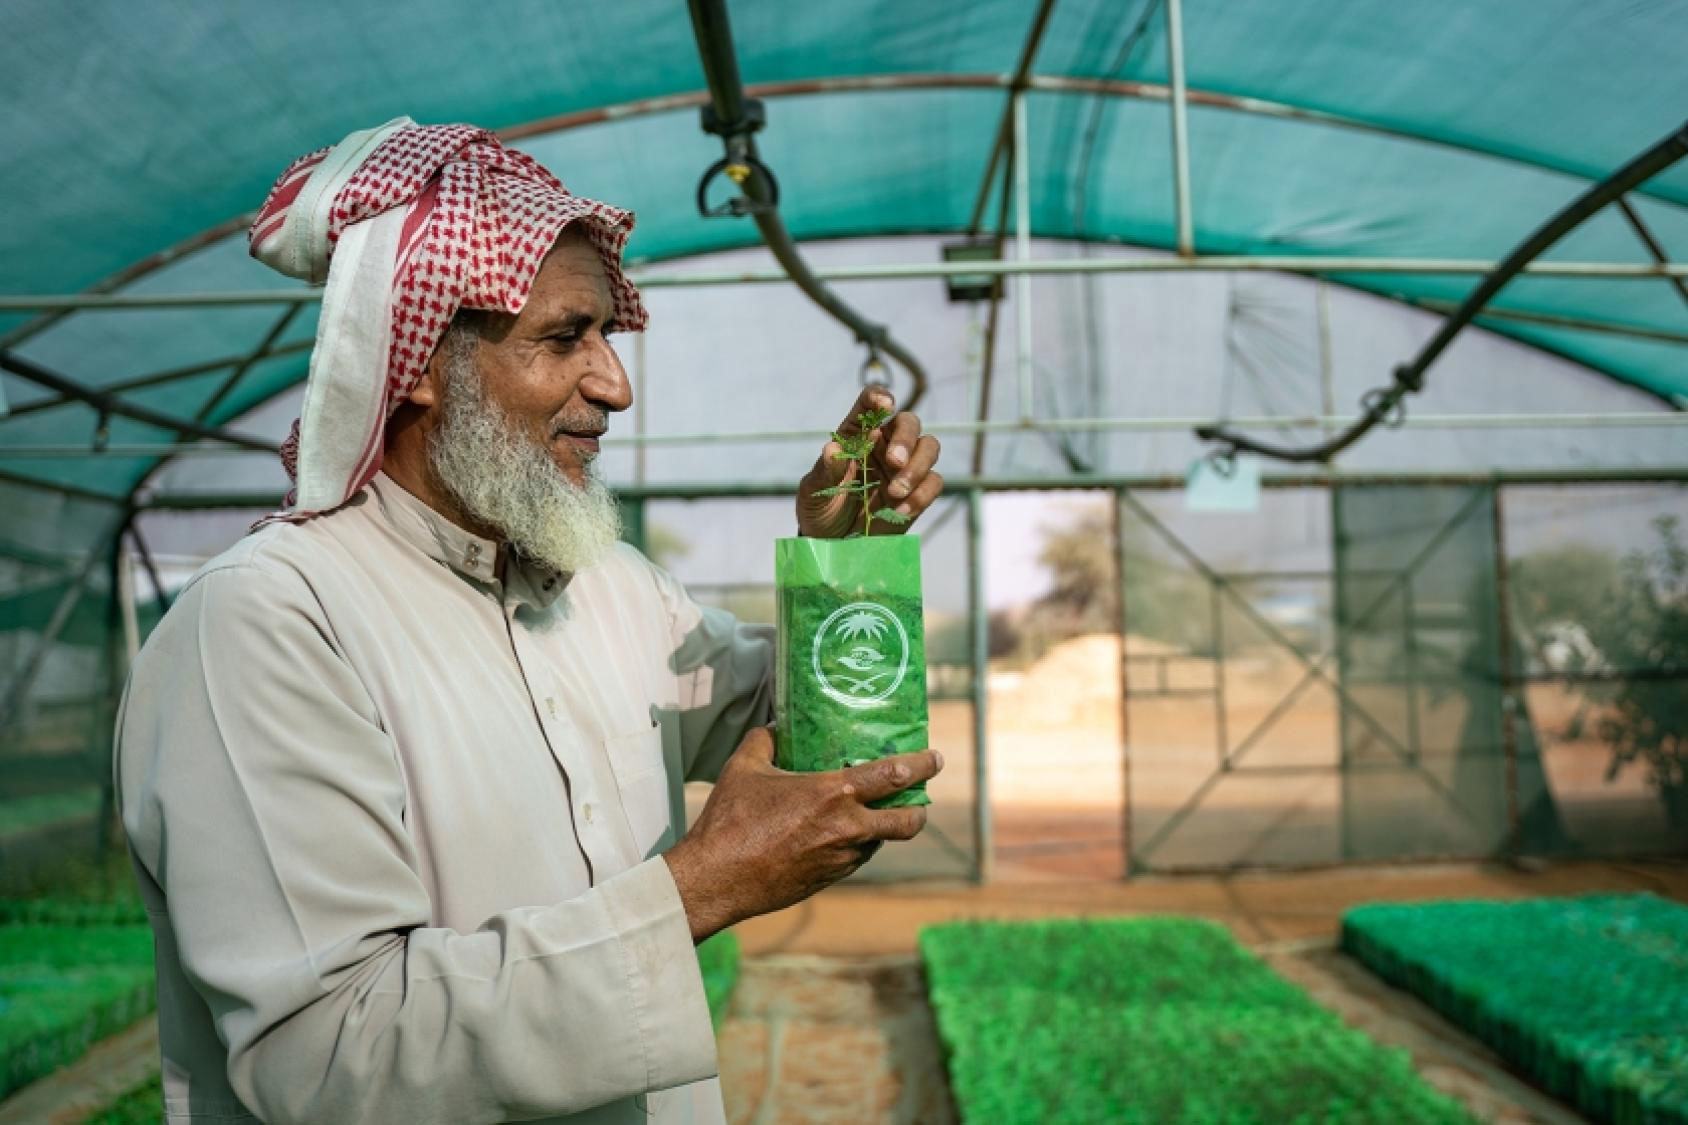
727,101
1384,403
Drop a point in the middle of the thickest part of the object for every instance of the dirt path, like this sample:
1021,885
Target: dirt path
109,1070
832,1041
1445,1056
865,920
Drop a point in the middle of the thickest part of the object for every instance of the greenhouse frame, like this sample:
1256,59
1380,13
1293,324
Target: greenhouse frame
1060,203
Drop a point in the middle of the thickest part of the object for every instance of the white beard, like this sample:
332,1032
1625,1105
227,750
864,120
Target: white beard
505,480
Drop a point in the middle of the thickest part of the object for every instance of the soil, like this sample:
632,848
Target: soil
832,1041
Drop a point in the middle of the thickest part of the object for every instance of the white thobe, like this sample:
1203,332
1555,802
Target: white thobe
397,803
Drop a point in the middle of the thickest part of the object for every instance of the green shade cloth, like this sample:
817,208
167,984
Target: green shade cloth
1453,130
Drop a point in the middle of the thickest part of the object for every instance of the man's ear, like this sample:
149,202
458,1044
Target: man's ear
430,389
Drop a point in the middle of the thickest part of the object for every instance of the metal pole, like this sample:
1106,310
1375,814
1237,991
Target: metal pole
1663,419
1651,243
108,404
1016,83
979,647
1508,674
267,501
1339,628
1221,715
1023,250
261,352
18,693
987,367
633,528
1327,376
639,407
914,271
119,657
1201,263
150,567
1409,620
157,378
1121,584
1641,419
1180,128
1551,320
130,619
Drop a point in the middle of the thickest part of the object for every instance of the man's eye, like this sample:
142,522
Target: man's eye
566,339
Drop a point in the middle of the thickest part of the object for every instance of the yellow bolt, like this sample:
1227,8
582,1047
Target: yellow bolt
738,173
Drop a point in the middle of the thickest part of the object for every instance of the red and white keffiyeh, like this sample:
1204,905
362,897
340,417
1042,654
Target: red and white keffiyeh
406,224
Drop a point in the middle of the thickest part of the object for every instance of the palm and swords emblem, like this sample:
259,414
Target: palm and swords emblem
861,654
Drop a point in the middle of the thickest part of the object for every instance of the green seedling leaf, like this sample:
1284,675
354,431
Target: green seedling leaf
858,447
872,419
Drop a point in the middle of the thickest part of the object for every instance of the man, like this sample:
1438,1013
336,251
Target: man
401,770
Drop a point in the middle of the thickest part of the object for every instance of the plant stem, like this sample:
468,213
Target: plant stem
867,501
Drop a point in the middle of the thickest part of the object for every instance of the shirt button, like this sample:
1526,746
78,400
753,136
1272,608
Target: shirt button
551,705
587,809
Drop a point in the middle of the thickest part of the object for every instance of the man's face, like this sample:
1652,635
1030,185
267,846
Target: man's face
551,369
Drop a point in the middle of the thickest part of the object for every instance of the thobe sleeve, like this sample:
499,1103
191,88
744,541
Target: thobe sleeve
725,674
262,794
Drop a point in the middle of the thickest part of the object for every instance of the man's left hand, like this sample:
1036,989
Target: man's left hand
901,467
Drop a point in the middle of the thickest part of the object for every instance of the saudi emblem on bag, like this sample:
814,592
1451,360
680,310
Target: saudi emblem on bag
861,654
850,678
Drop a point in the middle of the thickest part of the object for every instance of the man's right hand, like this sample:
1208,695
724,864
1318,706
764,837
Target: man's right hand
768,838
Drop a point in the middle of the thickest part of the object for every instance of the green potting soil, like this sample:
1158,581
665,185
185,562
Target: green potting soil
1154,1020
850,686
1589,996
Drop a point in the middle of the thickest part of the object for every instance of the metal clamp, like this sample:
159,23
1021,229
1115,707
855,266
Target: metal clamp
875,364
1389,408
740,165
739,168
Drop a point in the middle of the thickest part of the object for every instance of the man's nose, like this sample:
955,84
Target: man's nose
606,384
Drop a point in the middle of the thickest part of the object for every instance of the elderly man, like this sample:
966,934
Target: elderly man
401,770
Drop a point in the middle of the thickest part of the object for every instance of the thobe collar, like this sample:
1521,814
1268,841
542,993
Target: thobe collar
473,556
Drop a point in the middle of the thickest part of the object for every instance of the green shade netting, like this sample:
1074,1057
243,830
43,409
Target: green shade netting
1470,125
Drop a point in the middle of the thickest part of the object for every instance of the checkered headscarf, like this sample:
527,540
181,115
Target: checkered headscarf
406,224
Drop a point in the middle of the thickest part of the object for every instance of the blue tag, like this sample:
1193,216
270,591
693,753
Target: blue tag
1209,488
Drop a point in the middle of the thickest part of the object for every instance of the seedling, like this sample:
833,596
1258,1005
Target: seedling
850,682
858,447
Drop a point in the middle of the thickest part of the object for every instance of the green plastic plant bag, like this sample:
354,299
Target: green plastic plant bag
850,685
